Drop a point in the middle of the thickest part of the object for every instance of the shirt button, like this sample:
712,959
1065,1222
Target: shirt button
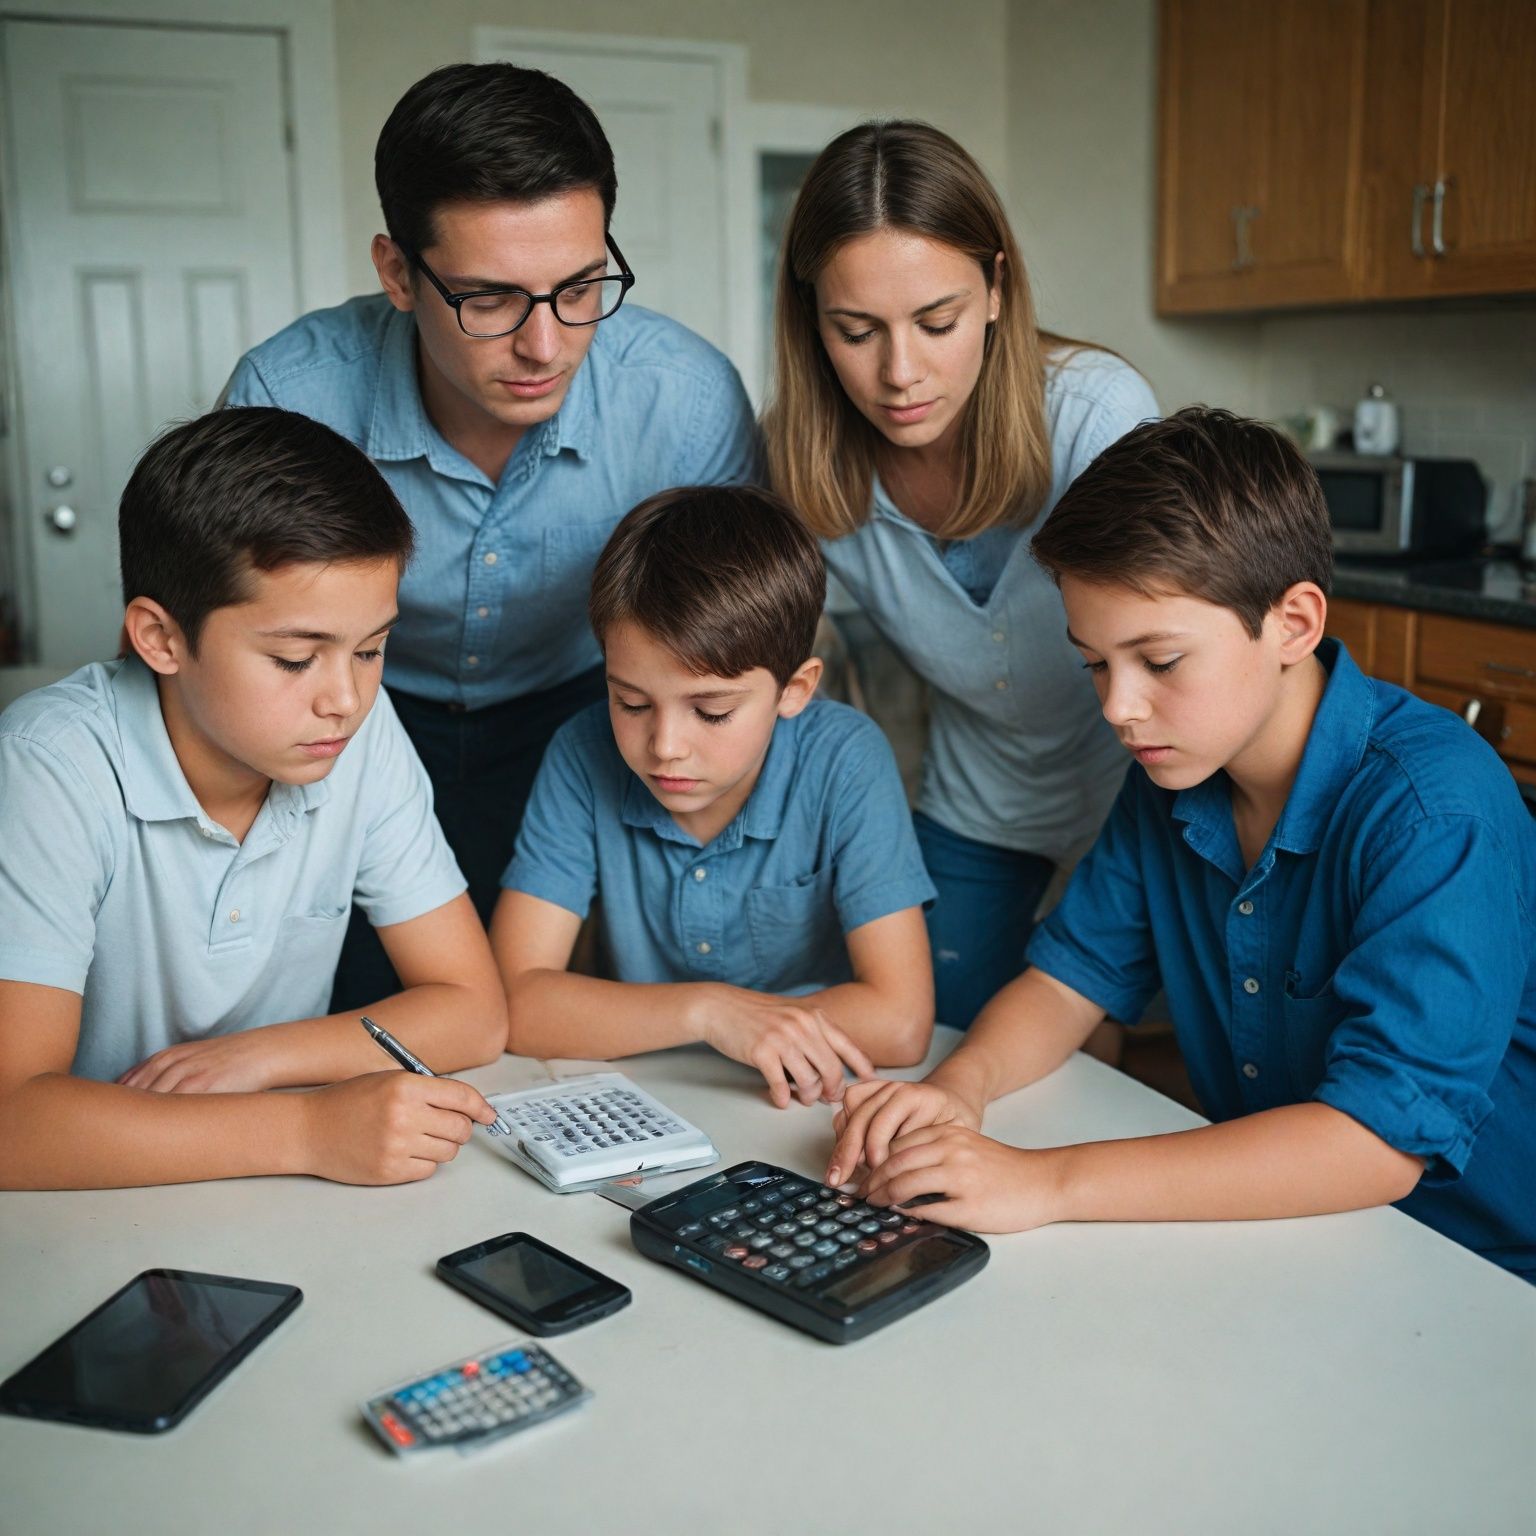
699,874
702,946
490,559
1250,986
234,916
1250,1071
471,661
1246,908
1001,684
998,636
482,612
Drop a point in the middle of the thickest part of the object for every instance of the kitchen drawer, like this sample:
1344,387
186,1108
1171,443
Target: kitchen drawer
1379,638
1508,727
1487,660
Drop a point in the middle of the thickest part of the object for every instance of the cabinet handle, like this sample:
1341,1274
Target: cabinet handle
1241,217
1505,667
1437,222
1416,237
1472,711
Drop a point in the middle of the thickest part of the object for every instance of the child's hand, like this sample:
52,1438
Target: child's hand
986,1186
237,1063
784,1042
389,1127
875,1114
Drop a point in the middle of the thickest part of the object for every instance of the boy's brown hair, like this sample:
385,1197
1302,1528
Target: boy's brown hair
726,576
1203,502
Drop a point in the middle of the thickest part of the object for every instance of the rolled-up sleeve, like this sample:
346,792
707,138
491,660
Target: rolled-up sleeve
1098,939
1430,989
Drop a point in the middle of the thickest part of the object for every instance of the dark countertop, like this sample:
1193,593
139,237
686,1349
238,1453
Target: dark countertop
1495,591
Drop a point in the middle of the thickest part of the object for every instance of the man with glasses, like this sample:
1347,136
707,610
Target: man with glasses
518,412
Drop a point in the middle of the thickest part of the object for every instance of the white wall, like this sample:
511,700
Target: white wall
1082,157
946,64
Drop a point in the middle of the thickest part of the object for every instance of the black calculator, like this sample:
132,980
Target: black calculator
811,1256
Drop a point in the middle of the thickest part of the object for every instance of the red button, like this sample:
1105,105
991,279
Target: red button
735,1251
472,1368
397,1431
909,1228
757,1261
868,1245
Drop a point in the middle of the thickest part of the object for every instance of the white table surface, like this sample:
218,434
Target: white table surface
1348,1374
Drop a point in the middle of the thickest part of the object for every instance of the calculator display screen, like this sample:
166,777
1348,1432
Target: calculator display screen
870,1282
528,1277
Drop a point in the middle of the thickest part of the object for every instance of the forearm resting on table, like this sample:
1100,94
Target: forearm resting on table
558,1013
1299,1160
63,1132
448,1027
1028,1030
892,1031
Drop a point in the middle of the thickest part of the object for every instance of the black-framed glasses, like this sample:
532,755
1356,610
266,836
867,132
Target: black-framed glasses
485,313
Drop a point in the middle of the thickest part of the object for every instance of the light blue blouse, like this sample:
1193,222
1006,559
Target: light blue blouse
1018,753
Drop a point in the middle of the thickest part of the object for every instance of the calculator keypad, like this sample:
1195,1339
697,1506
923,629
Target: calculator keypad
566,1123
474,1400
798,1235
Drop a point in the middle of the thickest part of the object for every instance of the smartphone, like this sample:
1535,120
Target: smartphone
531,1284
150,1352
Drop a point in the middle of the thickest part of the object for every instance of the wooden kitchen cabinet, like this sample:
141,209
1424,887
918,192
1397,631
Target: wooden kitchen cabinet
1486,673
1337,151
1262,108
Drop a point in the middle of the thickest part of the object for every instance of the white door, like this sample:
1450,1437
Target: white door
662,115
151,242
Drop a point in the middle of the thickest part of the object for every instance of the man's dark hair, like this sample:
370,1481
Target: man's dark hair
486,133
1203,502
250,488
727,577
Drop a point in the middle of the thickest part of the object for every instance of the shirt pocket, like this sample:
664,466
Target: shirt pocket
1309,1026
569,554
796,936
309,945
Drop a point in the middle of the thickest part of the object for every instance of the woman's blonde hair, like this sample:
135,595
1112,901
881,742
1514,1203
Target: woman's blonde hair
821,451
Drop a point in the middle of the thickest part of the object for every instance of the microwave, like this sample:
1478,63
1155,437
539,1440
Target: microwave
1409,506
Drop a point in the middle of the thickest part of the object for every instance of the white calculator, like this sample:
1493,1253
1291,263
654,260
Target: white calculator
584,1131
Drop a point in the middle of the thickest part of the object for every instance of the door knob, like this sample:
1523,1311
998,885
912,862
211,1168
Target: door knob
62,518
59,476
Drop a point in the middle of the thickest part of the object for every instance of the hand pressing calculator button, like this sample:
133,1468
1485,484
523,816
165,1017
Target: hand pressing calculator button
472,1402
837,1268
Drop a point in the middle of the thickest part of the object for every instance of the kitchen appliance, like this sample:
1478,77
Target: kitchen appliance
1403,506
1376,423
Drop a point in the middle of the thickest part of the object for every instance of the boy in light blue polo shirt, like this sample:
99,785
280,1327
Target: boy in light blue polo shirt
183,832
1333,881
761,886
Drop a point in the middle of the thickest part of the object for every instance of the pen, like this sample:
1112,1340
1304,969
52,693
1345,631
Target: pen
392,1047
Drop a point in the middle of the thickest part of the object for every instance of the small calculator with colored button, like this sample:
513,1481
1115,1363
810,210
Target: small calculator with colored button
472,1402
811,1256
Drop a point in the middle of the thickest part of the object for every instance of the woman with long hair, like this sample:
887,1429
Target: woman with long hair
924,425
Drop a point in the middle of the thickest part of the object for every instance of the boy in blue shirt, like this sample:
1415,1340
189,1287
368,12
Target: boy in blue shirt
760,881
183,832
1332,880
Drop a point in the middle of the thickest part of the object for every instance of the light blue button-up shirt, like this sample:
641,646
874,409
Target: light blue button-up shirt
114,882
1380,956
494,603
823,845
1018,753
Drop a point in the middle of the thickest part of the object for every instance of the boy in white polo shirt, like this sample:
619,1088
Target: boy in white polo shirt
183,833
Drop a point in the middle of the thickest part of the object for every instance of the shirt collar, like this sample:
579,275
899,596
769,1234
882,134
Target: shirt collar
401,429
155,787
1335,747
761,817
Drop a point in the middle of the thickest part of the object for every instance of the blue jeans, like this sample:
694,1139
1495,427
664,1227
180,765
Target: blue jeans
482,764
980,925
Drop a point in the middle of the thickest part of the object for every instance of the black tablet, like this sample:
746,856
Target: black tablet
146,1355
